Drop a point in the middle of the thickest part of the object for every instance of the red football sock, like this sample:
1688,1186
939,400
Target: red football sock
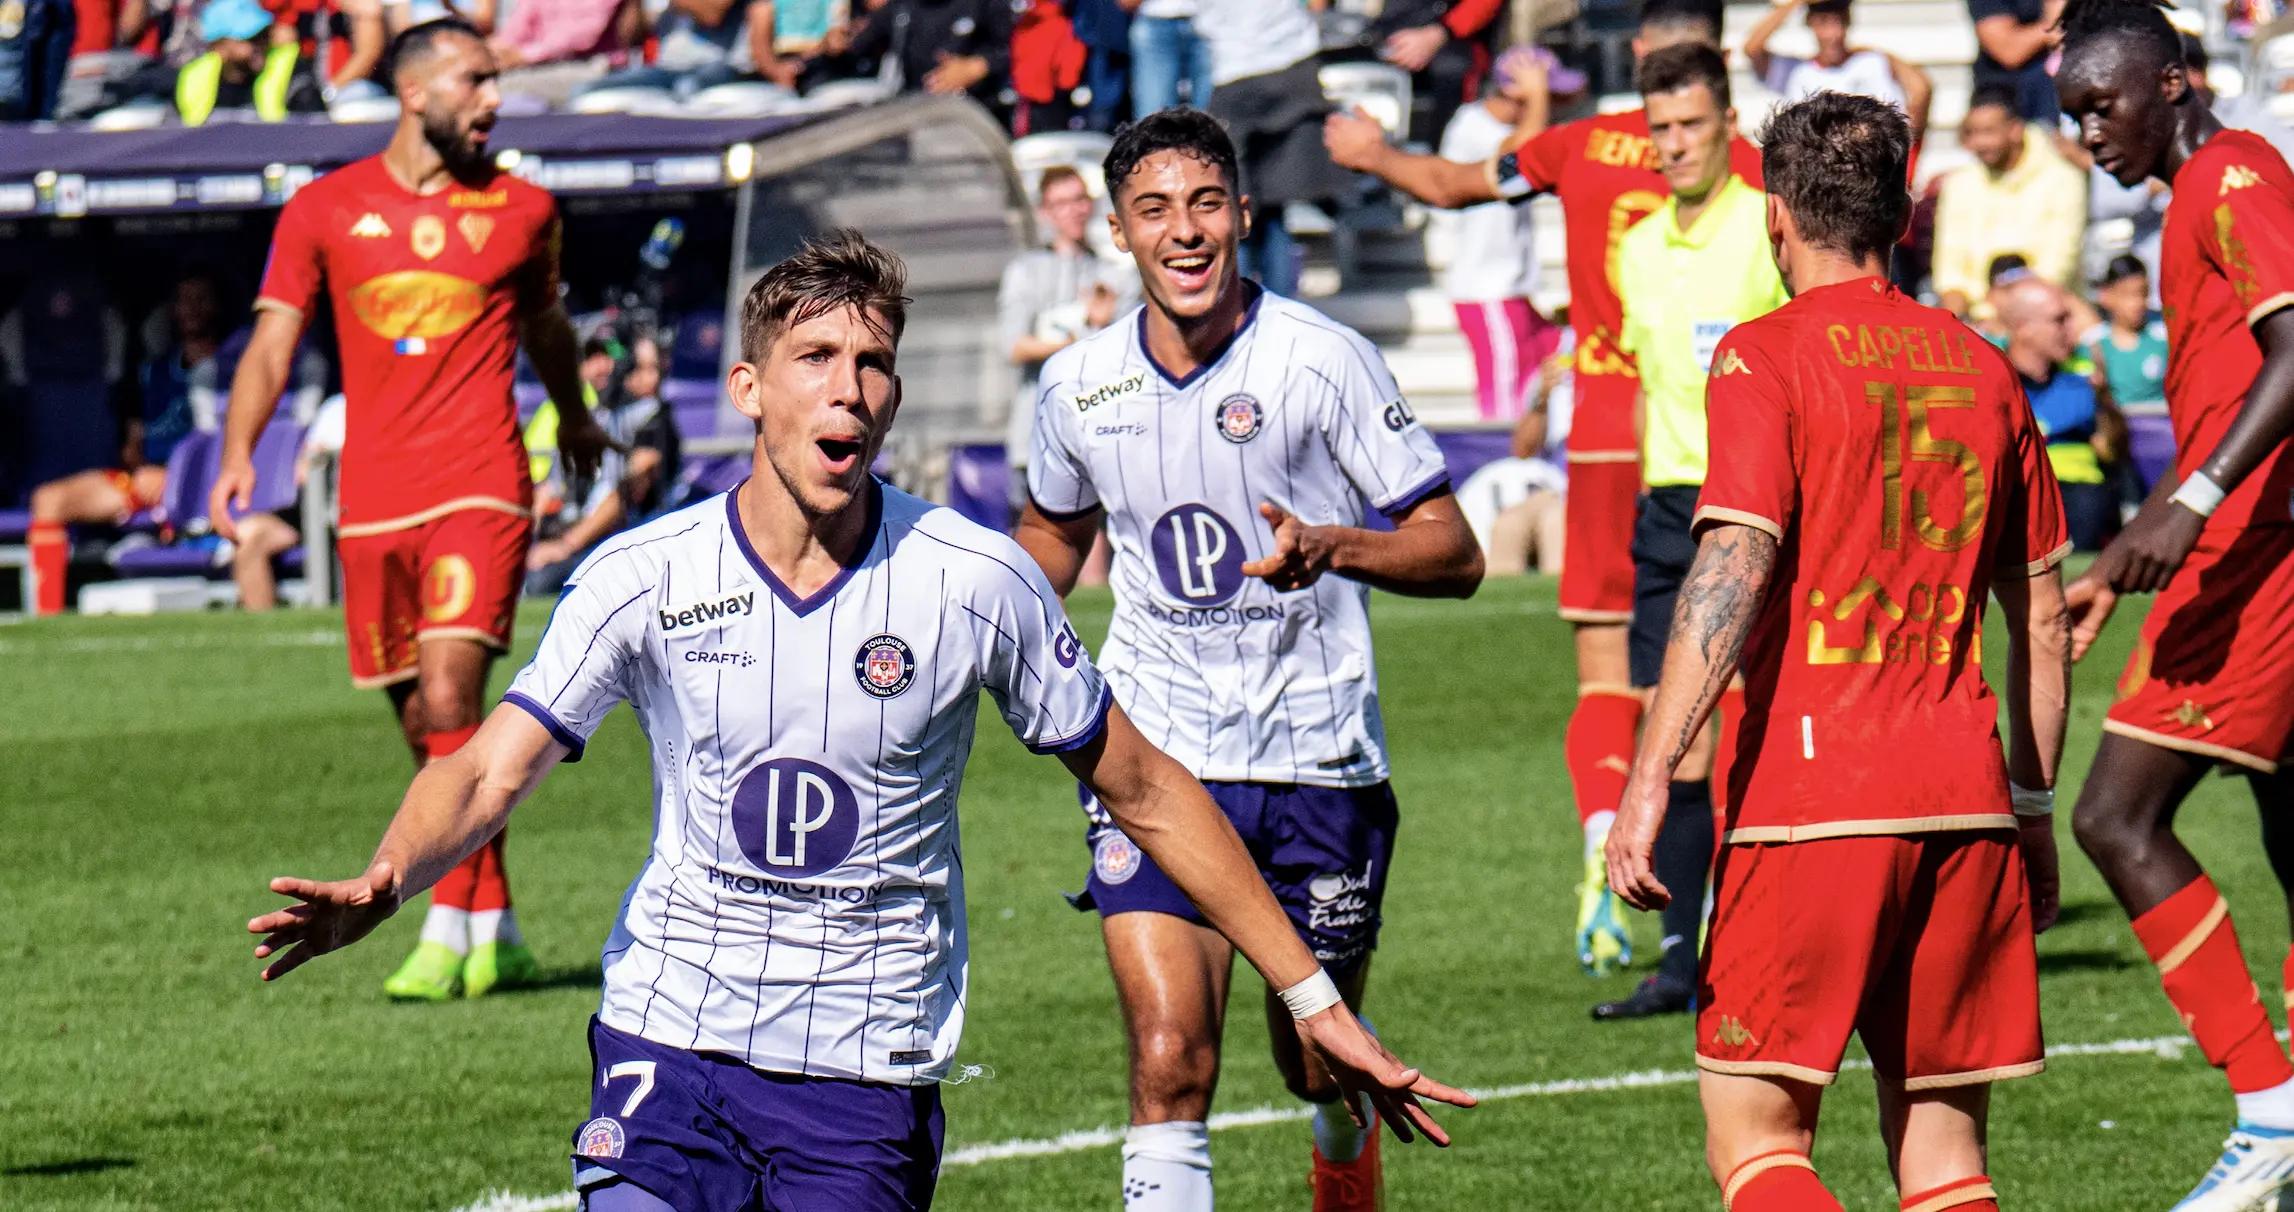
2286,979
493,891
1966,1195
1730,711
458,888
1598,748
2190,937
51,557
1783,1181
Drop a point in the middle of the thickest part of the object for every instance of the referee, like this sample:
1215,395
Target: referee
1686,274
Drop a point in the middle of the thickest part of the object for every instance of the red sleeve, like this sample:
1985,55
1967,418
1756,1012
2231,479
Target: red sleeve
1749,426
2033,535
297,268
1469,17
1544,157
2247,237
1744,160
538,282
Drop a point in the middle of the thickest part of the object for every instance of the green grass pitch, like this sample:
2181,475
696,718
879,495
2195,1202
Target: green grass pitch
159,771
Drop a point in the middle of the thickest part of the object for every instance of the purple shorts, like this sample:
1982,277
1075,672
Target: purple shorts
703,1130
1324,850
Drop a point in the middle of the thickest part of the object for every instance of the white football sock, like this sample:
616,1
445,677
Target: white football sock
1597,830
1167,1167
2272,1108
449,926
494,926
1335,1135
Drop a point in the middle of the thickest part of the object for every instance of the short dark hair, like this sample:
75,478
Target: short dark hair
1182,129
1682,14
1683,65
2005,265
1839,163
1998,96
2194,56
837,270
596,347
2143,22
1837,8
2123,267
415,43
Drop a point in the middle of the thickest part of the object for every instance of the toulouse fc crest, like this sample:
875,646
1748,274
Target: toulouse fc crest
1239,417
884,666
601,1137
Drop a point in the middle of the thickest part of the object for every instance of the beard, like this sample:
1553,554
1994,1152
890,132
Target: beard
453,144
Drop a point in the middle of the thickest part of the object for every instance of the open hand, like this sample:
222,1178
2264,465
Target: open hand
1632,848
1412,49
234,490
1301,552
1362,1066
331,916
2091,602
955,74
2146,554
583,443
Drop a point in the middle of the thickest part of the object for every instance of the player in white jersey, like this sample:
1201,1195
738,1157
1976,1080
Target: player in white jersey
1234,442
786,981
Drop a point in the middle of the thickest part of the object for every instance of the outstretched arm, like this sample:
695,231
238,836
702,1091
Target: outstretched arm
453,806
1356,141
1165,810
1724,590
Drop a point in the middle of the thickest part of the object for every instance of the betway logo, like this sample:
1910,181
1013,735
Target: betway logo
709,614
1106,392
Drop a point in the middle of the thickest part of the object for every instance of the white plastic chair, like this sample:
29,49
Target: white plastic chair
620,99
740,99
1381,89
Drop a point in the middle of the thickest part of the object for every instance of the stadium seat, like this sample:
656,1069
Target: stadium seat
191,472
693,406
627,99
135,115
741,99
364,109
1381,89
844,94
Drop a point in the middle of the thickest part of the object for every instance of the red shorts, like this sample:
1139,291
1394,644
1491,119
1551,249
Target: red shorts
456,576
1920,944
2210,674
1604,484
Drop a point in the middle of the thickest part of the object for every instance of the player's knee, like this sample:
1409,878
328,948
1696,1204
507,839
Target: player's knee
49,502
2111,832
1173,1067
444,706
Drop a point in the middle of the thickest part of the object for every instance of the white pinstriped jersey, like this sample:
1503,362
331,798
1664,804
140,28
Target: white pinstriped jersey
1237,681
803,905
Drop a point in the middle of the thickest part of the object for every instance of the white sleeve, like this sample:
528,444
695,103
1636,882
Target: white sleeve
1032,662
1391,459
588,651
1058,480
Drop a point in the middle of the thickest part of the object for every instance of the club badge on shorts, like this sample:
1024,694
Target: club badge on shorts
1239,418
1114,857
601,1137
884,666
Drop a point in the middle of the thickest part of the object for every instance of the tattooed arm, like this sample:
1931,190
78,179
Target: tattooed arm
1724,590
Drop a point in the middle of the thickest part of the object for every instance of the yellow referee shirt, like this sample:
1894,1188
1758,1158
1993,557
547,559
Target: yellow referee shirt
1683,291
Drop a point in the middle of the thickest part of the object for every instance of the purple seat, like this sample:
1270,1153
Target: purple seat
14,525
692,406
191,472
979,484
275,455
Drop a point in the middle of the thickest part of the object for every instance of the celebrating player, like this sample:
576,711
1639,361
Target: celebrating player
1875,472
1605,171
437,266
786,983
2208,682
1229,437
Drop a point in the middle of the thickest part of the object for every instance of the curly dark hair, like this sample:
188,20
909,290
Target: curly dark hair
1839,164
1182,129
2143,22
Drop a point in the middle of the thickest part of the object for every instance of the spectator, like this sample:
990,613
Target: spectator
170,407
1532,487
2131,349
628,487
782,37
36,39
2249,110
698,44
1104,28
2081,429
249,65
549,49
2013,39
1265,91
1167,55
1050,299
1492,270
2019,197
946,47
1439,43
1048,63
1837,67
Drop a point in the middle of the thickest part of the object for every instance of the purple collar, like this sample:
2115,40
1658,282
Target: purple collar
801,607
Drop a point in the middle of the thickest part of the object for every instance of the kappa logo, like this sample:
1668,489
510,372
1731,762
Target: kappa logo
1732,1033
1107,393
1731,364
2237,176
370,227
709,614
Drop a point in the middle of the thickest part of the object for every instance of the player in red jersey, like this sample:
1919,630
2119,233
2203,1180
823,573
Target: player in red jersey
2211,681
1876,475
1604,171
437,266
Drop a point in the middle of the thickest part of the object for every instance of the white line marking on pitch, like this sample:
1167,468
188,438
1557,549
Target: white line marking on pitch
2167,1047
153,643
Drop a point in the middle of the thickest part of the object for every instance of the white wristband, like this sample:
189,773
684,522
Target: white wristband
2199,494
2028,802
1311,996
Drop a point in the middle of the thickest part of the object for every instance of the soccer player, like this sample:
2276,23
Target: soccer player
785,985
1876,475
2208,682
1230,438
437,267
1605,171
1685,275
